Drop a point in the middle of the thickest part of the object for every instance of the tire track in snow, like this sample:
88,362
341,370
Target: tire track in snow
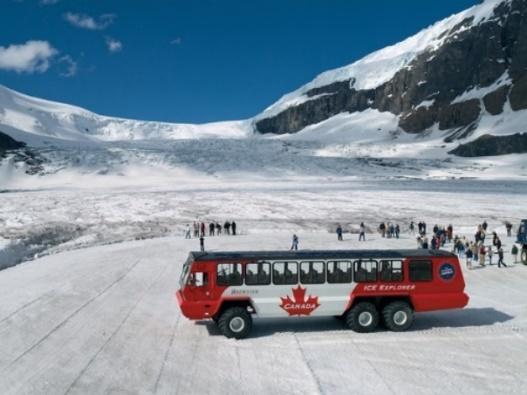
77,311
308,365
24,306
167,353
114,333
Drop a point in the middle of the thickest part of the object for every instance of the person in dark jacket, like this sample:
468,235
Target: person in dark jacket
227,227
202,229
202,243
294,245
500,258
339,232
218,229
212,227
233,227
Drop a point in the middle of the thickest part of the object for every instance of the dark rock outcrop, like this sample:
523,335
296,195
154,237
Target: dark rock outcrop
488,145
8,143
471,57
494,101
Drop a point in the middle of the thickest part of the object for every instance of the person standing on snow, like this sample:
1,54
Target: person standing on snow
500,258
489,254
294,245
397,231
233,227
196,229
211,229
514,253
449,232
482,251
202,243
412,228
187,232
469,257
339,232
362,232
202,229
508,226
227,227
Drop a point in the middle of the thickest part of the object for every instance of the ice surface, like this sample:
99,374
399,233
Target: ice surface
105,320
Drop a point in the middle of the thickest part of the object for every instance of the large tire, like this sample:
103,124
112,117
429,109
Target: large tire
524,256
363,317
235,322
398,316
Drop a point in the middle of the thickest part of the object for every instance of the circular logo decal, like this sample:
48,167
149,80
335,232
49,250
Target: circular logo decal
447,271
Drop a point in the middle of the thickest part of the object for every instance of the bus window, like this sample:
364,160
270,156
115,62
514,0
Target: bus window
339,272
258,273
420,270
391,270
198,279
312,272
365,270
285,273
229,274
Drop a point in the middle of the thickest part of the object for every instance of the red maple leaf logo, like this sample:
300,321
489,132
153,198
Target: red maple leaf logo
299,305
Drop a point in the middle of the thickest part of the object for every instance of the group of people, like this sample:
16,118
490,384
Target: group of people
200,229
362,232
440,236
389,230
476,251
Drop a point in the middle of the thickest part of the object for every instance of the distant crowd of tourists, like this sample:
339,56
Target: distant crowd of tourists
201,230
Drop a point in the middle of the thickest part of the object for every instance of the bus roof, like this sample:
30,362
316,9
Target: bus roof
317,254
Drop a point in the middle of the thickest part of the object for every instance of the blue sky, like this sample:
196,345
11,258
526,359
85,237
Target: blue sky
193,61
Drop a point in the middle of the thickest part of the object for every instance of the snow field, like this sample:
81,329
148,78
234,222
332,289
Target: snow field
51,221
105,319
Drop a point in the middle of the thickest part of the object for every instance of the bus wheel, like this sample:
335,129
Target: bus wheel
524,256
363,317
398,316
235,322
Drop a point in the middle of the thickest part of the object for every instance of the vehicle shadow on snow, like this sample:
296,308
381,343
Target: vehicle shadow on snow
484,316
470,317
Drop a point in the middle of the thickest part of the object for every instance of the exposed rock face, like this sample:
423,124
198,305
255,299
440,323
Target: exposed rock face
488,145
495,101
8,143
471,57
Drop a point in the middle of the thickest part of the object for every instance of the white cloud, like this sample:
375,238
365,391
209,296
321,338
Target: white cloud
84,21
31,57
70,66
176,41
113,44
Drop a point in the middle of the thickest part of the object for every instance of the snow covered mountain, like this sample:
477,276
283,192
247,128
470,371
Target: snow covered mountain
415,109
462,78
35,120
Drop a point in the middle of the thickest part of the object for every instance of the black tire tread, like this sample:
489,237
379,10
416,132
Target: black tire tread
389,310
223,322
353,314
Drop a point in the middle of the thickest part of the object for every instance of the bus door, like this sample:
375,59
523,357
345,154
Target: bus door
198,282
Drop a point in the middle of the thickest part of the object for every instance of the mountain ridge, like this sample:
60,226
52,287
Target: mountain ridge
443,80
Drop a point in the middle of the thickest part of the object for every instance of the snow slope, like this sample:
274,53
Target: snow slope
105,320
380,66
36,120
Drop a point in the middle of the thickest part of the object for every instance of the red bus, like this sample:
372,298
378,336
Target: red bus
364,287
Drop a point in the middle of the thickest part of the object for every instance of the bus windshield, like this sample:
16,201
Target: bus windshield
185,272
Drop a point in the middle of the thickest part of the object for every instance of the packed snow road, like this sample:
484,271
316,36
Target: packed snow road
104,320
